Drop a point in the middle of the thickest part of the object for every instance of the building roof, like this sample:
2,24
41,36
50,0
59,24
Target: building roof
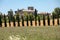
44,13
29,10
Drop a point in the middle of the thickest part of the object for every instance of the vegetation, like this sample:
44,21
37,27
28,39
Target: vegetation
22,21
31,20
44,20
35,13
39,19
10,14
31,33
29,17
14,20
27,20
5,21
18,19
56,12
0,20
48,20
53,19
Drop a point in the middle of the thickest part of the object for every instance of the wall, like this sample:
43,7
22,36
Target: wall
33,23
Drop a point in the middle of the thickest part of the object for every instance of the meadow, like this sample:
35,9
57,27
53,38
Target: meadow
30,33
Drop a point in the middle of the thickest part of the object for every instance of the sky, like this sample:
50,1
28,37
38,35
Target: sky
40,5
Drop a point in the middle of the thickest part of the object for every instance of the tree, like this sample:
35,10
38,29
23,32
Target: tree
22,21
27,20
57,11
31,20
56,14
39,19
35,13
18,19
9,21
53,18
48,20
14,20
44,20
0,21
5,20
10,14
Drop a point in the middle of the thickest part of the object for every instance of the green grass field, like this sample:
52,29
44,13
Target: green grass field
31,33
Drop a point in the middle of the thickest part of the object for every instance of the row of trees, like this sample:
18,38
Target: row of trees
5,19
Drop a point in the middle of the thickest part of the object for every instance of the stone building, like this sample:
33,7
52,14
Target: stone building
28,11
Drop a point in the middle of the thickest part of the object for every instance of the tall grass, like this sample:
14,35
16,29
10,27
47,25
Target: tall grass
30,33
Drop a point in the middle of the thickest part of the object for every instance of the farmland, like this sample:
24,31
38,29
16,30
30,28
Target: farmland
31,33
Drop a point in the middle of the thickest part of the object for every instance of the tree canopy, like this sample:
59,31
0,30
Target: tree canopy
56,12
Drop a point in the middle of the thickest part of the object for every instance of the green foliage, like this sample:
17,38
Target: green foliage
53,19
18,19
39,19
5,21
35,13
0,21
44,19
55,15
31,20
10,14
22,21
9,21
48,20
27,20
14,20
28,17
56,12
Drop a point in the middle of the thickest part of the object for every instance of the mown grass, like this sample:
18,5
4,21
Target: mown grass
31,33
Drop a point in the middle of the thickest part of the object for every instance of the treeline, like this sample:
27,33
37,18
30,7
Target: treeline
31,17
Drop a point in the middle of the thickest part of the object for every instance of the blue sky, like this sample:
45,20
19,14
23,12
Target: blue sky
40,5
